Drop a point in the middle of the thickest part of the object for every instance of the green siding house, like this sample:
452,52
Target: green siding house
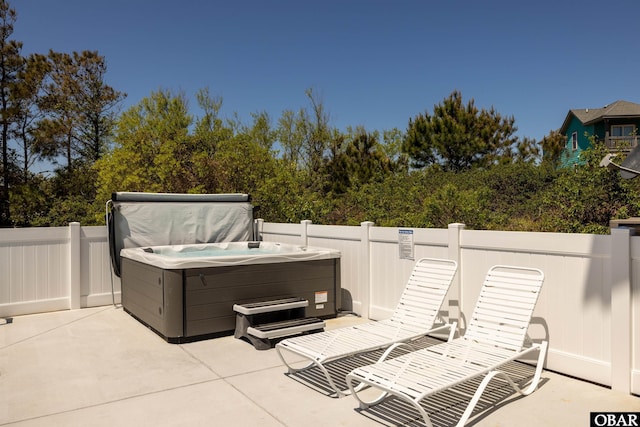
616,124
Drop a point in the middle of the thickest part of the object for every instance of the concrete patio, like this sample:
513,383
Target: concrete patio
100,367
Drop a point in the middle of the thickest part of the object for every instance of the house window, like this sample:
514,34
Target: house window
574,140
622,136
623,130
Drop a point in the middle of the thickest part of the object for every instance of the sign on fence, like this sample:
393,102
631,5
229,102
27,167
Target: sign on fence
405,244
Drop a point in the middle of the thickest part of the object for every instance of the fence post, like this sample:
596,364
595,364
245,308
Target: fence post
456,294
75,265
304,234
365,268
621,310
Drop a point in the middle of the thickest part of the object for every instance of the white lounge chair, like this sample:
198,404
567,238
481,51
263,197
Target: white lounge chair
414,317
495,335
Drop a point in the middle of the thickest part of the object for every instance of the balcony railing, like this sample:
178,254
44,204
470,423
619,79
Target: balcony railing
621,143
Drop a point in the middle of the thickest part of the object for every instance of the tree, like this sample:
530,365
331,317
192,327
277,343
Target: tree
152,149
97,102
32,202
591,196
552,147
289,137
450,204
526,150
355,160
305,136
79,106
58,132
209,132
242,165
392,147
459,137
209,128
243,160
26,96
282,196
11,62
318,133
260,131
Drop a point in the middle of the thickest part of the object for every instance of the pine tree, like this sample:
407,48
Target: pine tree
459,137
11,62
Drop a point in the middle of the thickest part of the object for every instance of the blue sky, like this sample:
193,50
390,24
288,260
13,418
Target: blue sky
373,63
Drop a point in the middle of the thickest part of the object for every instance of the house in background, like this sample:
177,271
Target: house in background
615,124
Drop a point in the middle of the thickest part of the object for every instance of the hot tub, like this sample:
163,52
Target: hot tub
187,292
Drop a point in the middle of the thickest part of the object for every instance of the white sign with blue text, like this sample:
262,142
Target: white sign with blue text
405,244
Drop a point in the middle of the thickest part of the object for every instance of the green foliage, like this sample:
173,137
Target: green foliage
355,159
241,164
74,193
11,63
53,106
31,202
459,137
78,108
26,95
156,151
395,201
514,191
552,147
286,197
512,196
160,147
66,197
152,149
450,204
471,167
584,199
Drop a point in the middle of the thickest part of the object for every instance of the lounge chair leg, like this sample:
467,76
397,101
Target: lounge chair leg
366,404
291,369
424,414
332,385
492,374
542,348
536,377
362,403
476,397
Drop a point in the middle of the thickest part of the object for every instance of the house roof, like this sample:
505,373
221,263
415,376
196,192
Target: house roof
616,110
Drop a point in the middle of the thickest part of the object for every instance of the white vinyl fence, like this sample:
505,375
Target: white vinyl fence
588,309
54,268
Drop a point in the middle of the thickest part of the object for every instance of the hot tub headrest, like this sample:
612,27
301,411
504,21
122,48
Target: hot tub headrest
158,219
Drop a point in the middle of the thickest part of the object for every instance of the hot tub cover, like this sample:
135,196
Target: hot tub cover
157,219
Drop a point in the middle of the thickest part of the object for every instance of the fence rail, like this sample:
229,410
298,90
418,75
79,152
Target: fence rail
586,310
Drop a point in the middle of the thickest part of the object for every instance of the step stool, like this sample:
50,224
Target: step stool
260,322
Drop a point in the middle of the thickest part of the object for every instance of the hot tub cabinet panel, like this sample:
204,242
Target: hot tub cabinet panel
192,303
154,296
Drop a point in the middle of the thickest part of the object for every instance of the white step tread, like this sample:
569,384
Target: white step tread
286,328
270,306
